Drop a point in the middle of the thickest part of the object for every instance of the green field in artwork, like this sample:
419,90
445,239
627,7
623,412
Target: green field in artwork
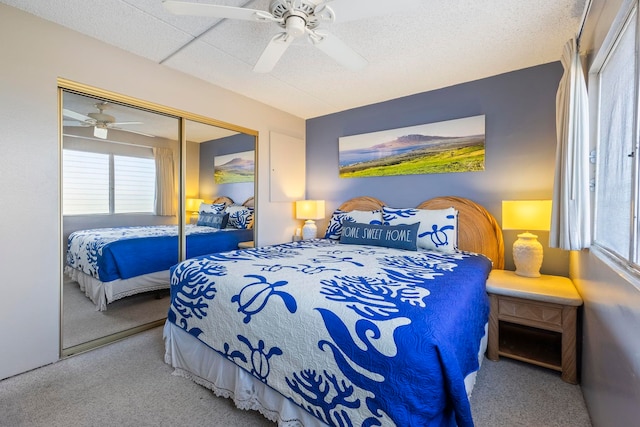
463,155
233,168
232,176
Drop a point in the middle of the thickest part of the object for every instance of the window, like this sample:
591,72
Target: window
616,198
97,183
135,182
85,182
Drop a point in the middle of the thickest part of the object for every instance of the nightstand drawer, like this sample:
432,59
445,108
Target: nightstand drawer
549,314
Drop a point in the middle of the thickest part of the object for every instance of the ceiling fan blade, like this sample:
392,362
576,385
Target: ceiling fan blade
273,52
338,50
75,123
76,116
126,123
217,11
99,132
351,10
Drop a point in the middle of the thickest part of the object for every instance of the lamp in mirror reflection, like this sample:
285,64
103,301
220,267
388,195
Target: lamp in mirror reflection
309,210
527,215
192,206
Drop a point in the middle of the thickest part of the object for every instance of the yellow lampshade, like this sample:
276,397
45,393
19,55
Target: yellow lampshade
526,215
193,205
310,209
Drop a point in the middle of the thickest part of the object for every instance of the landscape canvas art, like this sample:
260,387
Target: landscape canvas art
450,146
236,167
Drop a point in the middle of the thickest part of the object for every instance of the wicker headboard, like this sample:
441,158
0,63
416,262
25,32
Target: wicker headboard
229,201
223,199
363,203
478,230
250,202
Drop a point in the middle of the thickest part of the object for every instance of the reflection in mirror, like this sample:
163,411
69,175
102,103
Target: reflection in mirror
121,195
220,177
120,172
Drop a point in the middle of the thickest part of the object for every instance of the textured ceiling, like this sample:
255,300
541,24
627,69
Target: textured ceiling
434,45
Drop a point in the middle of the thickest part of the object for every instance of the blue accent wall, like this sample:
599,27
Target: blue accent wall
238,192
520,131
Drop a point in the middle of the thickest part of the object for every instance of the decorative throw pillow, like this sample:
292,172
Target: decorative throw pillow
214,208
438,227
403,236
213,220
240,216
334,229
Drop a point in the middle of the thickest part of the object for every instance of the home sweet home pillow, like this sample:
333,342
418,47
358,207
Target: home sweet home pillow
389,236
334,229
213,220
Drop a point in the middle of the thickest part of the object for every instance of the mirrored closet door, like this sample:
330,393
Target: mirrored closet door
131,173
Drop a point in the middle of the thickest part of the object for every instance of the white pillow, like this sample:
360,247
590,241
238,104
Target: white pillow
213,208
240,216
438,227
334,229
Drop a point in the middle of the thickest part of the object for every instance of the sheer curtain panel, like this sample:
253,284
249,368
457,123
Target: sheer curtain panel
570,215
165,182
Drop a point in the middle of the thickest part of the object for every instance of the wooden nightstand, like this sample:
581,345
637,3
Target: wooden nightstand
534,320
245,245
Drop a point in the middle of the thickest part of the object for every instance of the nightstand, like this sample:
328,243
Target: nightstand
534,320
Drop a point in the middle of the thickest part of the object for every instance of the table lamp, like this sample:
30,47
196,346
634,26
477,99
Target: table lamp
527,215
309,210
192,206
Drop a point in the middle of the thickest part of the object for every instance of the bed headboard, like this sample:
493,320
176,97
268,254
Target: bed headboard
478,230
223,199
250,202
363,203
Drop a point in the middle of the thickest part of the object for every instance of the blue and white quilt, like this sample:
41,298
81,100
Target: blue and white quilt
356,335
123,252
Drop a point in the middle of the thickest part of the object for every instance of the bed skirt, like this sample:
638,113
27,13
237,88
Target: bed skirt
192,359
103,293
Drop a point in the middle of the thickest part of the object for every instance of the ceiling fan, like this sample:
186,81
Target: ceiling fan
100,121
299,18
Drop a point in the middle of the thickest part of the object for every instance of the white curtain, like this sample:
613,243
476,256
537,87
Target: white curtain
571,214
165,182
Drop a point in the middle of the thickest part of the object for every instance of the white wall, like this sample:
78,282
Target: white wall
610,341
34,54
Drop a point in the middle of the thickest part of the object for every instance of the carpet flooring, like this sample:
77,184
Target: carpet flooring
127,383
82,323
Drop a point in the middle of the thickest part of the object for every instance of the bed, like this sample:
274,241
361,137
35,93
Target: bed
340,331
113,263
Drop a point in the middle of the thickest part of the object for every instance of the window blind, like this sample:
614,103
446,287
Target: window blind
85,183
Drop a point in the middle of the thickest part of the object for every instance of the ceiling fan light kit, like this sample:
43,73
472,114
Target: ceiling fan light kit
101,121
100,132
297,18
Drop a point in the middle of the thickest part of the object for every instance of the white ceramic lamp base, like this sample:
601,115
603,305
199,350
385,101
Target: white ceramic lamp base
310,230
527,255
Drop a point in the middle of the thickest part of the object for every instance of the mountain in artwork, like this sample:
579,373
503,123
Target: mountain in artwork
237,163
397,146
409,141
238,169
